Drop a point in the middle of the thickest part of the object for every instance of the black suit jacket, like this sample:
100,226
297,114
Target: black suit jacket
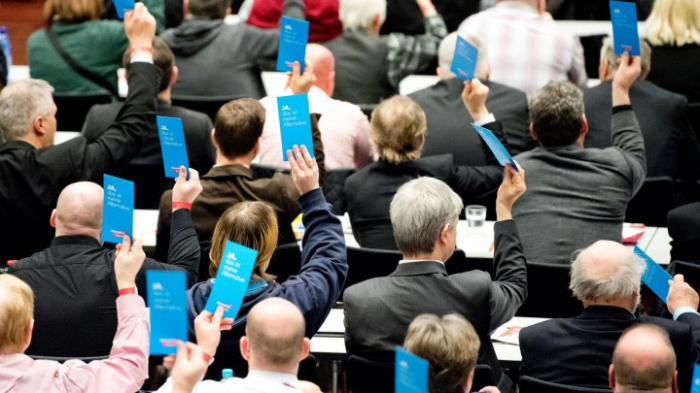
378,311
684,228
669,141
146,169
370,190
75,289
33,178
578,351
448,120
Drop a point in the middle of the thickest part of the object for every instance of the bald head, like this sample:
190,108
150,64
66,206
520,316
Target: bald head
446,52
644,360
79,210
275,331
324,67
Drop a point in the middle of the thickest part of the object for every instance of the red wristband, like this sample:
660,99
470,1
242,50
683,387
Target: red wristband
182,205
207,357
127,291
141,49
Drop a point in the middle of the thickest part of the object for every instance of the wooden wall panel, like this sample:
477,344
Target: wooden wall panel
21,17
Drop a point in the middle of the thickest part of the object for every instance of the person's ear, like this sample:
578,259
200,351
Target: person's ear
28,335
52,220
244,345
445,234
213,138
305,349
39,127
533,134
488,72
228,11
584,125
256,148
611,377
438,72
173,76
674,385
468,382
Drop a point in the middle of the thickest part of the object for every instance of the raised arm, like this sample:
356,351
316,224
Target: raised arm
263,43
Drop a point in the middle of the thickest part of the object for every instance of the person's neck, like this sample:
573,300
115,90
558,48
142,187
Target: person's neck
242,160
93,233
289,369
614,302
32,140
166,95
433,256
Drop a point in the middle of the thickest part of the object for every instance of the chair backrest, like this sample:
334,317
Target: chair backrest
333,189
367,109
533,385
653,202
285,261
689,270
548,293
483,376
61,359
367,376
307,370
458,263
366,263
694,117
208,105
73,108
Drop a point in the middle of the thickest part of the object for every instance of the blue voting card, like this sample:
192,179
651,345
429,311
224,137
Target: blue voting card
294,35
295,123
464,60
117,209
624,23
172,145
499,151
411,373
167,302
655,277
123,5
695,383
232,279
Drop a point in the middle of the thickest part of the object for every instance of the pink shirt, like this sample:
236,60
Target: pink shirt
344,132
123,372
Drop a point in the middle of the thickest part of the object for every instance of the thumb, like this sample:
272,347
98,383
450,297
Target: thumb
126,244
218,315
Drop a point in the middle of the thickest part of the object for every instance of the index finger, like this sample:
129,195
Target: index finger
204,315
126,244
138,244
292,161
194,175
182,173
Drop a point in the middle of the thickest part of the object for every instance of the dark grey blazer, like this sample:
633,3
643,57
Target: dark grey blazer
684,228
378,311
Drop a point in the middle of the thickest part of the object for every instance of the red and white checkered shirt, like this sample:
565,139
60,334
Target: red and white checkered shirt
526,51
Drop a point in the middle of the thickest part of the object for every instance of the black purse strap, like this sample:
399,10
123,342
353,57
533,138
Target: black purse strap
84,72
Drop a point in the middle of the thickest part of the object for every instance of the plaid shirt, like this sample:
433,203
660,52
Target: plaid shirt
525,50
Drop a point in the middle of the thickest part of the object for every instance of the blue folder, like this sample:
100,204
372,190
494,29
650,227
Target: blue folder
624,23
117,209
123,5
499,151
167,302
654,277
295,123
411,373
695,384
294,35
232,279
172,145
464,60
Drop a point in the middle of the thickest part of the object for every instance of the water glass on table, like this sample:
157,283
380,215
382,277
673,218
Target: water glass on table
476,215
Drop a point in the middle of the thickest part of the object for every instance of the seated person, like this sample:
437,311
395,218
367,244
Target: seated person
425,212
127,366
446,117
146,169
606,278
398,132
451,346
577,195
236,137
669,142
684,229
77,273
254,224
644,360
322,15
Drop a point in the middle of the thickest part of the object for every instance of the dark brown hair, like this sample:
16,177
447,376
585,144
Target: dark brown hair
239,125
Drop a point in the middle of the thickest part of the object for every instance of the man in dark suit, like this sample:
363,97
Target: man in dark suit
446,115
577,351
424,214
33,171
684,229
146,169
670,144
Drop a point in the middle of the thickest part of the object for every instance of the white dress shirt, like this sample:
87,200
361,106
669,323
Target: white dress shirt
257,381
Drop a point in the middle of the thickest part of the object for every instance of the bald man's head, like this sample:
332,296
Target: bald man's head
275,331
324,67
644,360
79,210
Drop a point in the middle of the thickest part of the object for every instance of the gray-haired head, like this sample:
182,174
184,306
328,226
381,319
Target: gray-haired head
607,53
446,53
20,103
556,112
606,270
358,15
419,210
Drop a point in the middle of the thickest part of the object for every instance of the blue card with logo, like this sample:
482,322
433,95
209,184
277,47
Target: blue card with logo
695,384
464,60
497,148
167,303
411,373
655,277
117,209
295,123
123,5
624,23
232,279
172,145
294,35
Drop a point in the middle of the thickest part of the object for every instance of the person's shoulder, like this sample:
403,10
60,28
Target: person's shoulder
673,328
36,37
689,213
360,291
533,333
184,113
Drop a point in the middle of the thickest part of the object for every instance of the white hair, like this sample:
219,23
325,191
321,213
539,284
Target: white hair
20,103
446,53
625,281
358,14
419,210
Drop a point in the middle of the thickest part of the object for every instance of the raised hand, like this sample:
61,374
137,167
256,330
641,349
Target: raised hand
189,367
127,264
301,83
208,327
628,71
680,294
186,190
512,187
304,169
140,26
474,98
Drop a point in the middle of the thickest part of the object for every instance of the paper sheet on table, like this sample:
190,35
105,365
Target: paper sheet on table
508,333
631,233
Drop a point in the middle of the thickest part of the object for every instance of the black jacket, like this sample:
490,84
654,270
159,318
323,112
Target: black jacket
684,229
31,179
75,289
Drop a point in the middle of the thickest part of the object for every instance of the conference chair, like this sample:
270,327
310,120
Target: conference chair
653,202
62,359
73,109
208,105
367,109
548,293
333,189
285,261
694,117
533,385
366,263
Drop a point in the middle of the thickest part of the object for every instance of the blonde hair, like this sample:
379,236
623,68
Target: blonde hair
674,22
252,224
398,129
451,346
16,313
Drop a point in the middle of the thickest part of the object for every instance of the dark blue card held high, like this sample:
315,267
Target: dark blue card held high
411,373
624,22
294,35
499,151
695,383
464,60
295,123
232,279
654,277
172,145
167,302
123,5
117,209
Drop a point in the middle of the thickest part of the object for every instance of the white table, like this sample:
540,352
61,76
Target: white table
18,73
587,28
145,226
659,248
63,136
